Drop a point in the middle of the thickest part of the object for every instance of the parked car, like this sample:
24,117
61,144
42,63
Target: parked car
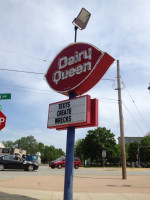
16,162
60,162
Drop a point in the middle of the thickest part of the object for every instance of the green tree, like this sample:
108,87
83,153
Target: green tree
40,148
78,150
51,153
8,144
145,149
98,140
28,143
133,151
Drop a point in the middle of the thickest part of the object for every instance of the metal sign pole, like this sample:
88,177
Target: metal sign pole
68,187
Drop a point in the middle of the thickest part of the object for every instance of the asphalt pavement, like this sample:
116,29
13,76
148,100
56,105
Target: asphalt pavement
89,184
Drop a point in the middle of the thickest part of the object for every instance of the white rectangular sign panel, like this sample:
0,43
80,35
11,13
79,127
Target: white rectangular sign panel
70,112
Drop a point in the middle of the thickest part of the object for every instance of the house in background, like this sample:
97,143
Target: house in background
12,151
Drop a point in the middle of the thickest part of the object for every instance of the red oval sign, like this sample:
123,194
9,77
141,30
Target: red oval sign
77,68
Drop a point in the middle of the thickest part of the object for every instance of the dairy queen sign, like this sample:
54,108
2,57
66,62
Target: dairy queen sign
77,68
74,71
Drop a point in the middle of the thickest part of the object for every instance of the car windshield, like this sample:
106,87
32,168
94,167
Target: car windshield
61,158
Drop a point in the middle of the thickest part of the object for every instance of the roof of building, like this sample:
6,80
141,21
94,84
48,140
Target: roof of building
1,145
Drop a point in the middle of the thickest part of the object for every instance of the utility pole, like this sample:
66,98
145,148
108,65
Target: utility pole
123,153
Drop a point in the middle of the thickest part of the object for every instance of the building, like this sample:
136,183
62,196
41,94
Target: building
12,151
1,145
129,140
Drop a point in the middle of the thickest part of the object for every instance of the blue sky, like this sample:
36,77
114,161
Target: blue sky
34,31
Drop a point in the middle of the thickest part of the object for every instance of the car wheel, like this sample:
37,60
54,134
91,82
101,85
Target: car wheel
30,168
59,166
76,166
1,167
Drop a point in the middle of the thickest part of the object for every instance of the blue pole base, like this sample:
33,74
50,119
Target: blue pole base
68,188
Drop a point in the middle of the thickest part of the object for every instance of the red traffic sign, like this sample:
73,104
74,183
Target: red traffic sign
77,68
2,120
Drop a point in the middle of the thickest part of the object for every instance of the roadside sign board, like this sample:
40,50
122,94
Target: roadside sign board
104,153
71,112
5,96
93,115
2,120
77,68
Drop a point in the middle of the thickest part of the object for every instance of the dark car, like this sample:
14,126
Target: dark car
61,162
16,162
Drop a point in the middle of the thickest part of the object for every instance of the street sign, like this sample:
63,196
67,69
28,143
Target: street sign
0,107
2,120
5,96
77,68
104,153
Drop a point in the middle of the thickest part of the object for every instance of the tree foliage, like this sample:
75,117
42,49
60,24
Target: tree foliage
28,143
31,146
96,141
133,151
145,149
78,151
8,144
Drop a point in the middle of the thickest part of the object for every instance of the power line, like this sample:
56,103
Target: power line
133,118
19,54
136,107
14,70
45,92
41,73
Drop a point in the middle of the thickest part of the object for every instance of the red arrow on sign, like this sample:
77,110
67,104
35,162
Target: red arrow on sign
2,120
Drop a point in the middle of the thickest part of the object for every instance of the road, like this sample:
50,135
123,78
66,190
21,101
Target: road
46,171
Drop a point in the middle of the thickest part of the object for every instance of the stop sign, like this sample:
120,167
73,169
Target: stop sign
2,120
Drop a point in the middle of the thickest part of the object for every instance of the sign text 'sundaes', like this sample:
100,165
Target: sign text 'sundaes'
69,61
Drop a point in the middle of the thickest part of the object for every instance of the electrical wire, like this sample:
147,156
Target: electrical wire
110,79
15,70
133,118
19,54
136,108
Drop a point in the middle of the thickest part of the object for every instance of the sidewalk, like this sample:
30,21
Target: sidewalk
23,194
86,187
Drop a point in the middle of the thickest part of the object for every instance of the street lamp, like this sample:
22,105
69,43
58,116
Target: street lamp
81,20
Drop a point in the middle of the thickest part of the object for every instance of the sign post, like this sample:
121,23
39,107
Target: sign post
68,187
